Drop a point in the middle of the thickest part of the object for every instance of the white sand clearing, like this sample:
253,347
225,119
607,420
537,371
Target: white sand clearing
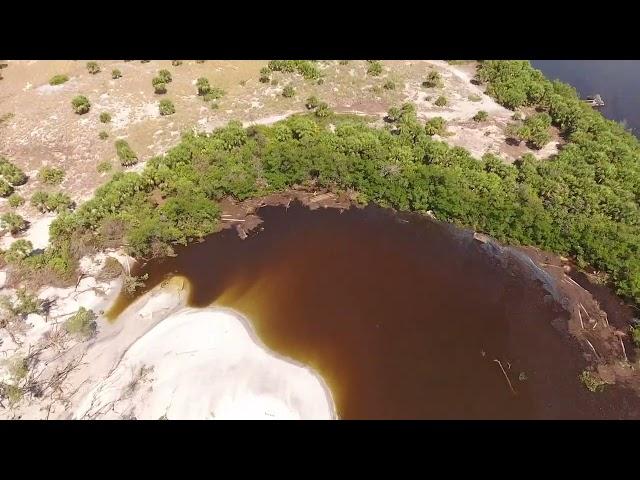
204,364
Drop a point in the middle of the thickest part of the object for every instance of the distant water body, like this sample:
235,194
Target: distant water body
617,81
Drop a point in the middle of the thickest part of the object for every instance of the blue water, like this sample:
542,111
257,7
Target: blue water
617,81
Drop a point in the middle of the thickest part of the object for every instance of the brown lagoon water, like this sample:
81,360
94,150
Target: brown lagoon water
403,317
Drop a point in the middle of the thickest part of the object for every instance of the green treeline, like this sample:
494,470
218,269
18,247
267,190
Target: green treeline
583,202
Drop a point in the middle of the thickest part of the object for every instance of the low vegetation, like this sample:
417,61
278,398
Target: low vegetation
104,166
105,117
82,323
13,222
203,86
11,173
481,116
389,85
58,79
176,63
80,104
441,101
435,126
51,202
374,68
288,91
125,153
534,130
265,75
103,135
93,67
592,382
15,200
51,175
434,80
165,76
307,68
115,74
166,107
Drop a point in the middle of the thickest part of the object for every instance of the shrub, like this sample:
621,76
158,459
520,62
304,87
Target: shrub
243,83
51,202
125,153
115,74
105,117
635,335
203,86
534,130
288,91
481,116
274,82
517,116
93,67
320,81
166,107
475,98
15,200
5,188
51,175
82,323
103,135
343,62
435,126
200,61
312,102
441,101
133,283
389,85
111,269
58,79
323,110
375,68
80,104
214,93
176,63
159,88
145,61
19,250
11,173
265,75
433,80
13,222
591,381
165,76
104,166
306,68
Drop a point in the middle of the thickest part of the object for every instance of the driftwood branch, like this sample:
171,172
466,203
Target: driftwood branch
505,375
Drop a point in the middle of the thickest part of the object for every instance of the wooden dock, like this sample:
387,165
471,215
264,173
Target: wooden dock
595,101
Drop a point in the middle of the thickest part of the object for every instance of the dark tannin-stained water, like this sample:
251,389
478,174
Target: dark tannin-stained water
616,80
403,317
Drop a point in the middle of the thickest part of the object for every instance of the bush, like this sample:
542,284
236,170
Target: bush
93,67
103,135
19,250
80,104
320,81
176,63
375,68
592,382
58,79
111,269
343,62
635,335
11,173
435,126
312,102
288,91
214,93
159,88
115,74
51,202
481,116
203,86
105,117
51,175
265,75
82,323
5,188
165,76
389,85
133,283
15,200
306,68
13,222
441,101
166,107
534,130
323,110
104,166
433,80
125,153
